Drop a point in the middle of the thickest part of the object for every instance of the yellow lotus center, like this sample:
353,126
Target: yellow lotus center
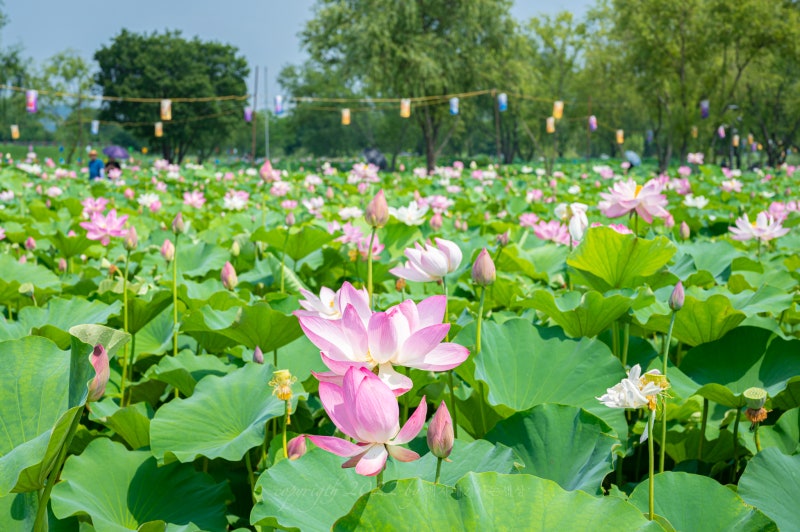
638,189
753,223
330,304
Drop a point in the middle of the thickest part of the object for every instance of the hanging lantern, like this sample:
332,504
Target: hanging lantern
14,131
453,106
750,139
735,141
345,117
721,132
705,108
279,105
649,136
248,114
95,127
159,129
502,102
694,132
551,124
166,109
405,108
144,150
558,109
620,136
592,123
31,101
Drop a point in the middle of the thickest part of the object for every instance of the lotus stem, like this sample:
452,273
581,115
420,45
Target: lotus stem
663,446
249,465
175,300
477,352
735,469
703,425
756,438
41,524
286,421
124,328
369,267
651,466
615,339
379,480
626,340
283,261
438,470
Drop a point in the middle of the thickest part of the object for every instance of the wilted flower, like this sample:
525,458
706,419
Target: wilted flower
281,383
755,398
634,391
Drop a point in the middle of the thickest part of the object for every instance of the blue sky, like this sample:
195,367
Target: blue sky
265,31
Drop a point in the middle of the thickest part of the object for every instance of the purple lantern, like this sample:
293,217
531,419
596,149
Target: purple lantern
248,114
705,108
592,123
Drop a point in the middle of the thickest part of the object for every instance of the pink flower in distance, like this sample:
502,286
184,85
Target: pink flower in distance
195,199
102,228
619,228
94,205
330,305
429,263
407,335
528,219
553,230
366,410
363,247
765,228
626,197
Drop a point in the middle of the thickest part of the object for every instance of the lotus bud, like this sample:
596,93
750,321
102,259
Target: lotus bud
168,250
30,243
131,239
281,382
755,398
296,447
23,259
503,238
329,193
62,264
440,433
236,249
436,221
483,271
290,218
685,232
377,213
228,276
99,360
178,226
258,356
677,297
129,193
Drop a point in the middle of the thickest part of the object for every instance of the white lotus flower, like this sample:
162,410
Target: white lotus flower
695,201
411,215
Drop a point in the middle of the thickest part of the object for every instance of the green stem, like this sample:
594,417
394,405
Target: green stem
125,328
438,470
41,523
703,426
275,358
249,465
369,266
651,466
175,300
482,415
286,421
636,223
756,438
662,448
735,470
283,261
379,480
615,339
626,340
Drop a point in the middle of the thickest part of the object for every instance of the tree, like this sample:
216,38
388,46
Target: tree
411,49
169,66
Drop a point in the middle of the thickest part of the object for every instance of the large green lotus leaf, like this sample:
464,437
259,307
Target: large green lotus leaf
771,483
609,260
524,366
70,246
513,260
562,443
714,257
121,489
131,423
321,491
185,370
744,358
767,299
205,325
579,314
15,274
18,511
489,501
225,416
84,338
34,392
59,315
296,242
197,259
685,500
699,321
143,309
155,338
259,325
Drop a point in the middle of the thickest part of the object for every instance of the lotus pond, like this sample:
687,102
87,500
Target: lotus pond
201,348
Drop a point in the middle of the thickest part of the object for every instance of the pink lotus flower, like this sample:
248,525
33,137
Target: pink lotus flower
695,158
99,360
352,234
2,233
92,205
528,219
765,228
407,335
377,248
365,409
553,230
627,196
330,305
731,185
684,171
429,263
195,199
102,228
619,228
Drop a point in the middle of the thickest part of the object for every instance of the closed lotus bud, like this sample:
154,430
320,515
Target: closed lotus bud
131,239
178,227
483,271
258,356
502,238
677,297
290,218
99,360
235,248
23,259
62,264
296,447
168,250
685,232
436,221
377,213
30,243
281,382
228,276
329,193
440,433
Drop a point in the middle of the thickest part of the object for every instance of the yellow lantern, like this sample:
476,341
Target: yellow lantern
159,129
551,124
144,150
694,132
620,136
14,131
166,109
736,141
345,117
558,109
405,108
750,139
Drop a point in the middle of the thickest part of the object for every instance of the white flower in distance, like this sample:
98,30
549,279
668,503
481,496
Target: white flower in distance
411,215
429,263
146,200
695,201
632,392
348,213
575,216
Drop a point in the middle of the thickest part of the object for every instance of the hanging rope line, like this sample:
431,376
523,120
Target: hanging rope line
133,99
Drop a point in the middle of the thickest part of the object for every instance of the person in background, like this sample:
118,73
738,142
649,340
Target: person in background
112,164
96,166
